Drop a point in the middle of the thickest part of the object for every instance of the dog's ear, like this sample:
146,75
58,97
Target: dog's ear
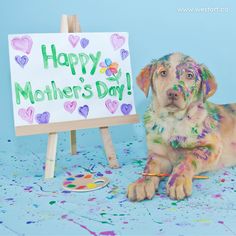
209,84
144,78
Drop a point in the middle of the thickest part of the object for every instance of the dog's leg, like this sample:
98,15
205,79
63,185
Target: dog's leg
145,187
198,160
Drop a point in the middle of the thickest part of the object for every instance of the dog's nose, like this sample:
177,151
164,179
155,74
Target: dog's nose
172,94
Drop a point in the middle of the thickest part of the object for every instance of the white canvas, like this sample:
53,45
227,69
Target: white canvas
103,90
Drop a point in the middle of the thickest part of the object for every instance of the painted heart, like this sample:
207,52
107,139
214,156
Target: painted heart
26,114
112,105
22,61
117,41
70,106
84,110
73,39
84,42
126,108
124,53
43,118
23,43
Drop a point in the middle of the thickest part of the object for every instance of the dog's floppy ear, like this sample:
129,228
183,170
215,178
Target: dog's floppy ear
209,84
144,78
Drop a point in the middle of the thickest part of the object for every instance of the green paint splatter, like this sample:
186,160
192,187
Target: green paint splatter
175,87
194,163
147,118
175,143
194,130
157,140
181,82
159,128
138,162
52,202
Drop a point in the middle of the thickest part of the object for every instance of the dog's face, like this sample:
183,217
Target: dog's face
177,81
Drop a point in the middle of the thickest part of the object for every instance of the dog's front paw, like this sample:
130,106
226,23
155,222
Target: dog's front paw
143,188
179,186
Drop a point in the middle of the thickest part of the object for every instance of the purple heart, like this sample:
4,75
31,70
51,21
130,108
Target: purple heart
73,39
22,61
126,108
124,53
84,42
84,110
70,106
43,118
111,105
117,41
26,114
23,44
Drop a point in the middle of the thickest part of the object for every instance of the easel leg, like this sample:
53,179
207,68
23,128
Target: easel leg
109,149
51,155
73,148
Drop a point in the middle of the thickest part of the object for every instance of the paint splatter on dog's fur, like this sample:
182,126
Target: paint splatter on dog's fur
186,134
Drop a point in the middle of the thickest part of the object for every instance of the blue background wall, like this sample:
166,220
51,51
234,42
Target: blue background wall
156,28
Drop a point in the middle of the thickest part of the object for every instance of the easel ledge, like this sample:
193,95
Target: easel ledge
74,125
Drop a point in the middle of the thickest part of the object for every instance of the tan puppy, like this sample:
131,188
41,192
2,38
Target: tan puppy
186,135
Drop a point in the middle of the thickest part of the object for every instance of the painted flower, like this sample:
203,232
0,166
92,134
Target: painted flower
108,67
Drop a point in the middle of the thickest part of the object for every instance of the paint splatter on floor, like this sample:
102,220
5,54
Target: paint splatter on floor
29,205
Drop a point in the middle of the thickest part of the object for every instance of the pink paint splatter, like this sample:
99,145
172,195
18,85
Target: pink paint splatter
108,233
217,195
64,217
91,232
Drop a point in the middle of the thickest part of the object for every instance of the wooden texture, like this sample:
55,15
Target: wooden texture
51,155
73,125
109,149
73,147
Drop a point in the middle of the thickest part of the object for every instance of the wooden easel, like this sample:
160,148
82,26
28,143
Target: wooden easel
69,24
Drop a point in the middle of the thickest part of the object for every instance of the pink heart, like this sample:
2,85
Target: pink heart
73,39
112,105
70,106
117,41
23,43
27,114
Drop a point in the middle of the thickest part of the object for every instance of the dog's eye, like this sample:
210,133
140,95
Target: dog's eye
163,73
190,75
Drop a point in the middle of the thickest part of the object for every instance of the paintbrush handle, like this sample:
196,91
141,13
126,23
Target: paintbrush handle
166,175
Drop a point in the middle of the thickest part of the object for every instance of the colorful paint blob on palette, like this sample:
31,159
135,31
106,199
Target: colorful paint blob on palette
84,183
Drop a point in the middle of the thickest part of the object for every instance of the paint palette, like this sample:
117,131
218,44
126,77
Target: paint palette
84,183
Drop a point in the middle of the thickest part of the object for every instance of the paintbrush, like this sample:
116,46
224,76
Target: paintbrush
166,175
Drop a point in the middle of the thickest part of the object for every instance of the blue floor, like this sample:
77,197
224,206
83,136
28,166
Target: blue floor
31,206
